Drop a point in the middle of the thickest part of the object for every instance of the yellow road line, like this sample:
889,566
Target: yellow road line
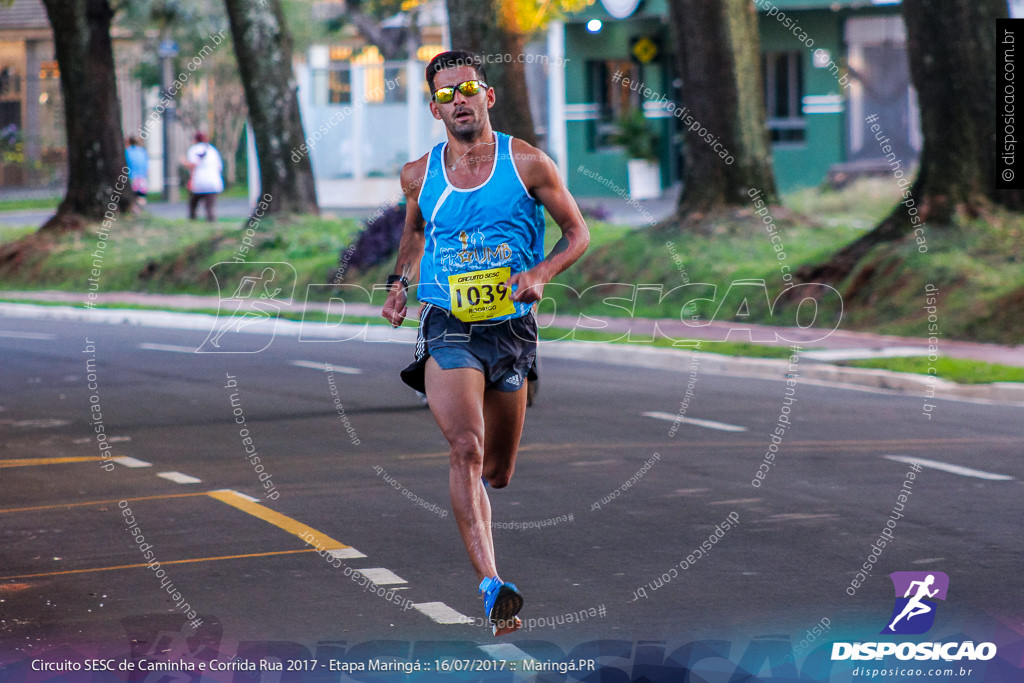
136,566
60,506
320,539
29,462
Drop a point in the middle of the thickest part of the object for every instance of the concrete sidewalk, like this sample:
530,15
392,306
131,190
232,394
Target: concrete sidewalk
812,370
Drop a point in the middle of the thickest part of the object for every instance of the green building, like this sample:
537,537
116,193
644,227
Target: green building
827,64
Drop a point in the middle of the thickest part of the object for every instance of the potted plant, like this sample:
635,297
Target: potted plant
639,142
12,154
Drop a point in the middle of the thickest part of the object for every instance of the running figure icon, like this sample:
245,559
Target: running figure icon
258,293
915,606
248,296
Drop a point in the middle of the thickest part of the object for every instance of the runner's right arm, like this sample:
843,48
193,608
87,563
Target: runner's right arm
410,249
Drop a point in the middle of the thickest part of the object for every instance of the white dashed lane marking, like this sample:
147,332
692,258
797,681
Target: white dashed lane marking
710,424
326,367
442,613
40,423
167,347
382,576
179,478
952,469
736,501
110,439
129,461
41,336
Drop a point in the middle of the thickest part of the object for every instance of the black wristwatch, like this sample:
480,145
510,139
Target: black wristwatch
393,278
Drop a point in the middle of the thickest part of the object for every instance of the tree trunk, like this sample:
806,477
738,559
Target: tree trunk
951,46
718,57
952,50
473,27
263,48
92,114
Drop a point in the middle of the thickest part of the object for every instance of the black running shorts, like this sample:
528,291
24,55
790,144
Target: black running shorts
503,351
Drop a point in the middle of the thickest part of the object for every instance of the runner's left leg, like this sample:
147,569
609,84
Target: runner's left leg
456,399
462,409
504,414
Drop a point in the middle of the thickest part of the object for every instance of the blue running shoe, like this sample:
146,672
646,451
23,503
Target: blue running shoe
502,602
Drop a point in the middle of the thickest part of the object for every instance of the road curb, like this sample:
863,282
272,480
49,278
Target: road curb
630,355
769,368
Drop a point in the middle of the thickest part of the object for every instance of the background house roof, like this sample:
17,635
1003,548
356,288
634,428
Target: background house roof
24,14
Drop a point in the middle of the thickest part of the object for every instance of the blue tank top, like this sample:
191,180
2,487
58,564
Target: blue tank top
496,224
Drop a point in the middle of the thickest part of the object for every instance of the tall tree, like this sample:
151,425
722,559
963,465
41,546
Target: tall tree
718,55
92,113
263,48
473,27
499,31
951,45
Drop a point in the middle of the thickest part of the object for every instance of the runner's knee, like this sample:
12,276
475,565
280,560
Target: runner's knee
467,448
499,480
499,464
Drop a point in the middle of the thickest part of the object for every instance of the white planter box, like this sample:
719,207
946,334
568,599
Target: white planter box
644,179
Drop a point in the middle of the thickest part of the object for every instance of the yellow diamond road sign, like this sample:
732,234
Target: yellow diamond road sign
645,50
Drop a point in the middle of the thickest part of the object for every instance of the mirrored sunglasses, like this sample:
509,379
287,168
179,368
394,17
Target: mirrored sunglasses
468,88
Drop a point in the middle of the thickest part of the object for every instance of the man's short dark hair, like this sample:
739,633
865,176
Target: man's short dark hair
453,59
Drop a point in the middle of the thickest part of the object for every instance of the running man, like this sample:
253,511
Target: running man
474,231
915,606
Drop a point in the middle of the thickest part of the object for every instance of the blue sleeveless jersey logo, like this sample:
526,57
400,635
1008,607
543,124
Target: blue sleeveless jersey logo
496,224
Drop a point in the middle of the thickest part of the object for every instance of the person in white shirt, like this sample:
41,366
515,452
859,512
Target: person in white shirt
205,182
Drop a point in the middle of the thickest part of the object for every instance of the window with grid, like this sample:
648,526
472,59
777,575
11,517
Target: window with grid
783,96
612,97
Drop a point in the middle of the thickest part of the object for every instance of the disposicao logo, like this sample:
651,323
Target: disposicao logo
912,614
916,592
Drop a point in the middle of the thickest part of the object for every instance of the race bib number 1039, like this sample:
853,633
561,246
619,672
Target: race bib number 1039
481,294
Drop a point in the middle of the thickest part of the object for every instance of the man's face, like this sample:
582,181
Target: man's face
463,116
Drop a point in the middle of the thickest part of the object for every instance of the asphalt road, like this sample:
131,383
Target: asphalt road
359,465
